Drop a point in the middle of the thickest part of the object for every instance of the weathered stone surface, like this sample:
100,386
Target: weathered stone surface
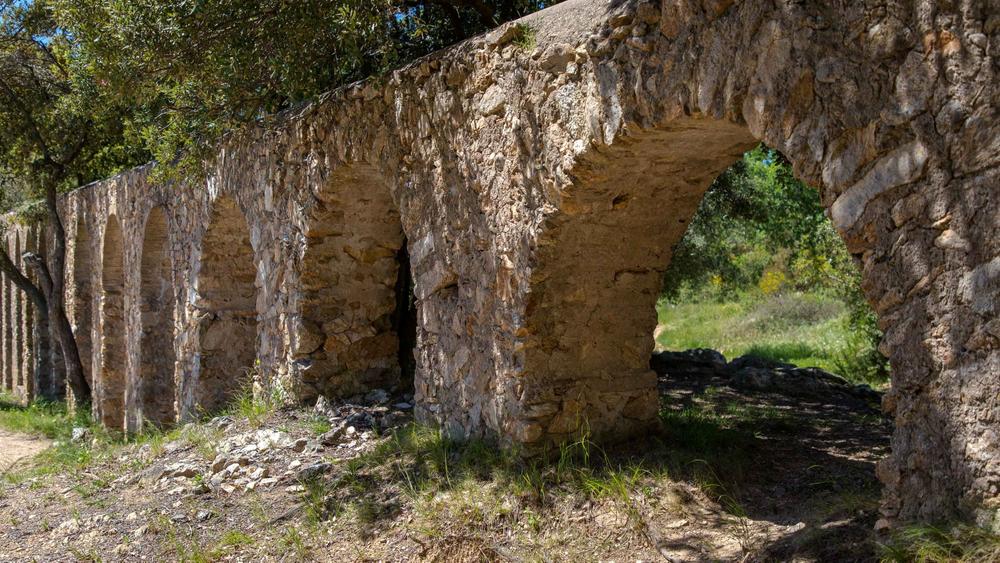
538,194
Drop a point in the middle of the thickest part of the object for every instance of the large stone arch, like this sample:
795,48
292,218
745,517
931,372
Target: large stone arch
112,380
227,307
597,274
156,386
346,338
662,97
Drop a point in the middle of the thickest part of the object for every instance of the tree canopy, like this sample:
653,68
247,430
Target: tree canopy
57,126
195,69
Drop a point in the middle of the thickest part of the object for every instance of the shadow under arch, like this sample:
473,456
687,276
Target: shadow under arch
18,337
227,307
156,387
7,334
83,297
111,398
356,321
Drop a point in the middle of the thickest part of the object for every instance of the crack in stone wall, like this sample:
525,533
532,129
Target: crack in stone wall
540,191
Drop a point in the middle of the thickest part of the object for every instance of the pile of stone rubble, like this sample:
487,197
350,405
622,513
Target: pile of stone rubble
251,459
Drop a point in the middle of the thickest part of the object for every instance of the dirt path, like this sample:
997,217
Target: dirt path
14,447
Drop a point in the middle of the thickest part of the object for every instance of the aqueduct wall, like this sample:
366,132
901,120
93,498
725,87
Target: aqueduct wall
539,176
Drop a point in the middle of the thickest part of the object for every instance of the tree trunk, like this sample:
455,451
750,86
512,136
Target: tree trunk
7,266
58,321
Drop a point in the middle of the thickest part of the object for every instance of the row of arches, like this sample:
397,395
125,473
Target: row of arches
15,307
345,336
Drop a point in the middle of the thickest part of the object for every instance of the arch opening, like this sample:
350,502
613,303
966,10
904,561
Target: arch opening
157,357
83,297
8,367
357,320
755,430
227,303
113,354
19,324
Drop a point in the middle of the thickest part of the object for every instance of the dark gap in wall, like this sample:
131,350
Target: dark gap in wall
404,319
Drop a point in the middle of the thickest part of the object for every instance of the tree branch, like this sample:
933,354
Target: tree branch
8,267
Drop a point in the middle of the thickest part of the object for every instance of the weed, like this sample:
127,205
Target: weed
295,541
257,510
253,404
316,502
235,538
958,543
525,37
203,438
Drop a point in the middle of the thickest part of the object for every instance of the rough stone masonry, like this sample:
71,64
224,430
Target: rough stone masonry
533,181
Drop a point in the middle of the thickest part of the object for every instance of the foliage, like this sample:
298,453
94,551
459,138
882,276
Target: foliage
197,69
758,229
56,126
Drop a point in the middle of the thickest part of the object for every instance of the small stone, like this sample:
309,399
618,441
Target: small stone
377,397
140,531
80,434
220,463
203,515
299,445
314,471
322,407
332,437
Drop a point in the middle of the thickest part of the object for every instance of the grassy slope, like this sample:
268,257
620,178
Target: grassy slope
804,329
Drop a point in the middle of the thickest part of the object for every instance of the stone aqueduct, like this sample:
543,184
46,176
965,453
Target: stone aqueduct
533,181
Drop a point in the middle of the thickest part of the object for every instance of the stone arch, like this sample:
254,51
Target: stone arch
348,334
597,275
156,384
227,305
83,296
113,353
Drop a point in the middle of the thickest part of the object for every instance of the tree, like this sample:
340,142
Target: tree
57,131
196,69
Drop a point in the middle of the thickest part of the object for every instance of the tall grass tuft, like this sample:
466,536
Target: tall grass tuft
960,543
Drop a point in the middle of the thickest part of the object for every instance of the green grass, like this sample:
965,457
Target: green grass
959,543
808,330
44,419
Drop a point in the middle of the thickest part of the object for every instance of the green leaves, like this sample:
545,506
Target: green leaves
56,124
192,70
